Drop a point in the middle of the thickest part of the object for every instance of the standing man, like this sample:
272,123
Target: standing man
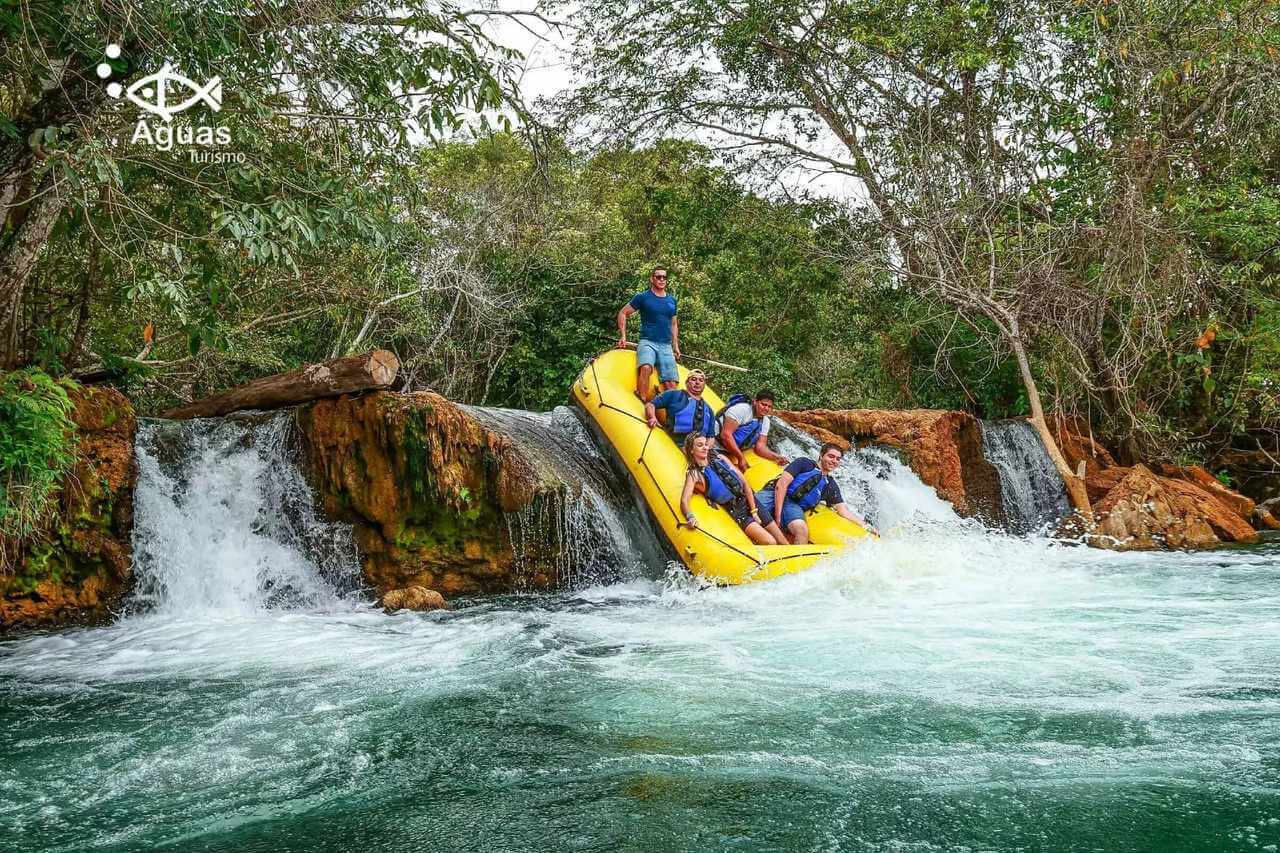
744,425
683,410
799,489
659,334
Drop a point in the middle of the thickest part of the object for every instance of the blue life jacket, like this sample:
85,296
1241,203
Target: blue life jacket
746,434
695,416
807,488
722,485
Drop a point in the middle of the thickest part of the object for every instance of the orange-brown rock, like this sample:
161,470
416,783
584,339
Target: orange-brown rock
1078,445
1139,513
1231,499
76,569
1099,482
1144,511
427,488
413,598
1226,524
944,448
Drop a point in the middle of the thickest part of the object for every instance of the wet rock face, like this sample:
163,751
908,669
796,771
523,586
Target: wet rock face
427,488
1136,509
944,448
77,569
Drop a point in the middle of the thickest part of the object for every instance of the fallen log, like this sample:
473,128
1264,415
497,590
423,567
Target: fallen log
348,375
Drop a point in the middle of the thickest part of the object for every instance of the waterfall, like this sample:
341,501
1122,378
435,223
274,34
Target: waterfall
1033,492
225,522
875,482
597,526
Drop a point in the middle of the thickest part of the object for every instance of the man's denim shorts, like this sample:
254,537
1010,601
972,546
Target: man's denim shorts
647,352
791,510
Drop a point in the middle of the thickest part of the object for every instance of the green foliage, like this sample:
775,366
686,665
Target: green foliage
581,235
37,448
323,105
1105,172
1092,183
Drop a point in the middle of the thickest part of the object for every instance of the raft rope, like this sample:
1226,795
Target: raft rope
675,515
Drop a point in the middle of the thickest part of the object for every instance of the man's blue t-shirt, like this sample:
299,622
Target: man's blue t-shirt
831,495
655,315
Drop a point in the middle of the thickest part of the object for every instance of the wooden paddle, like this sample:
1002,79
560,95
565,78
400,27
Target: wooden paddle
709,361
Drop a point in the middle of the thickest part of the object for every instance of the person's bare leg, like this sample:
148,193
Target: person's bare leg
759,535
776,532
643,375
799,532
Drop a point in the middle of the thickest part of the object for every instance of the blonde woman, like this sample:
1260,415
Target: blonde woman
716,479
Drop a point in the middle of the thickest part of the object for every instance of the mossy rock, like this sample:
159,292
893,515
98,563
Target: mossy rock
76,567
429,489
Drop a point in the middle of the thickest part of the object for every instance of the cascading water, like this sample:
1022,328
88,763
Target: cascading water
1032,491
225,522
874,481
594,525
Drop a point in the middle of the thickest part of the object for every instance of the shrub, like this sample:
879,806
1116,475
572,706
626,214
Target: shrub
37,449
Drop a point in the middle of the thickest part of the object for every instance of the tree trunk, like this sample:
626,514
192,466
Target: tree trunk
72,98
79,337
366,372
1075,485
19,249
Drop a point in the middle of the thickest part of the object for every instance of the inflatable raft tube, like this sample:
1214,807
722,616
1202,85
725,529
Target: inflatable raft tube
717,550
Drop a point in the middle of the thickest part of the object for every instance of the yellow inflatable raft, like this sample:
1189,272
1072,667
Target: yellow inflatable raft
717,549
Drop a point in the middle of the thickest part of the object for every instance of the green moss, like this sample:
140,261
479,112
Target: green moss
428,527
48,560
422,483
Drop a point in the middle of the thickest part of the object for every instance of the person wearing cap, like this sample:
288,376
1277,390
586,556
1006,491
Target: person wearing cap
659,334
683,409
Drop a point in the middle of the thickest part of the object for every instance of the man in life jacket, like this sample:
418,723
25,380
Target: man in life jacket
683,409
659,334
744,425
798,490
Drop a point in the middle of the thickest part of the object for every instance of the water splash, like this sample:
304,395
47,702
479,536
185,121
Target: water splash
1032,491
225,522
875,483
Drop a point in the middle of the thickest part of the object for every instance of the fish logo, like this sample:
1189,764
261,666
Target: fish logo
155,94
